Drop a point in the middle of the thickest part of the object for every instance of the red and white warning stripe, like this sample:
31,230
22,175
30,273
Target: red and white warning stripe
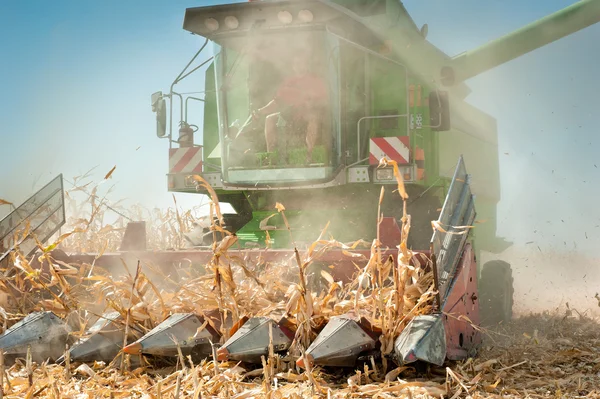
393,148
185,160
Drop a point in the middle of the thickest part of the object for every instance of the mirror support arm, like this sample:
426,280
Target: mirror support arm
180,77
195,69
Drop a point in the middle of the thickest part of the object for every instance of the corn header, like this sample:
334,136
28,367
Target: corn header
316,105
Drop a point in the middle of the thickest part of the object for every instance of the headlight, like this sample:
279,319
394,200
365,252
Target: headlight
306,16
285,17
384,174
211,24
231,22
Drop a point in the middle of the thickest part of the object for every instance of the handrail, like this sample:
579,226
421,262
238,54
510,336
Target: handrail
179,78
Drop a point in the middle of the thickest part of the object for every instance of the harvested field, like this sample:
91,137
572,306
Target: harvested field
541,355
538,356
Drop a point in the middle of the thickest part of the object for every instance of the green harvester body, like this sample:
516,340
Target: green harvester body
385,80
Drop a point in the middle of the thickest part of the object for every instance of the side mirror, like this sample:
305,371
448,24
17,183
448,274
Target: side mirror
156,97
161,118
159,106
439,111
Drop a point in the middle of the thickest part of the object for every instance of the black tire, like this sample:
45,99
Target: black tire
496,293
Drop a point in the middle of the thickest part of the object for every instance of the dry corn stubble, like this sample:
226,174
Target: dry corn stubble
517,361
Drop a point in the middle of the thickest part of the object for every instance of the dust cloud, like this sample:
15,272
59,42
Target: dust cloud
551,280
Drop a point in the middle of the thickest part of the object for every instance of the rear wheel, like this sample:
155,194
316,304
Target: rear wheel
496,293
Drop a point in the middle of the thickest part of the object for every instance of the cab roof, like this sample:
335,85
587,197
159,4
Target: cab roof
250,16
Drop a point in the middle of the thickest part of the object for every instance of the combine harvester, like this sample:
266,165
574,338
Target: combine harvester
303,99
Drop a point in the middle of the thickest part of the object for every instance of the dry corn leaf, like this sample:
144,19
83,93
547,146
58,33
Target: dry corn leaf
399,179
110,172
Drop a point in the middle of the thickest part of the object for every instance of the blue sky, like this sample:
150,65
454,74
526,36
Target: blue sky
77,76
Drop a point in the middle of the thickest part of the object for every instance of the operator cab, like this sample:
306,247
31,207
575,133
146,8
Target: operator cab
297,95
277,84
275,111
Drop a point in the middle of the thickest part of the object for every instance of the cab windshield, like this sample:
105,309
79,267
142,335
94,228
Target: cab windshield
278,110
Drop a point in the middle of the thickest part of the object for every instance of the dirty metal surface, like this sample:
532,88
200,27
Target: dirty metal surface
180,328
45,332
424,338
457,212
340,343
105,340
344,262
251,341
461,312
